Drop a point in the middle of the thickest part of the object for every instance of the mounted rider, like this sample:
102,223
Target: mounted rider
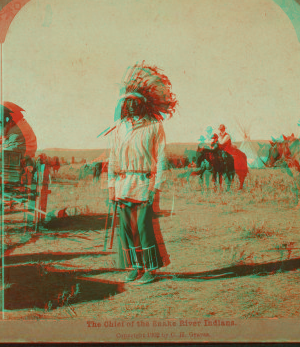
223,142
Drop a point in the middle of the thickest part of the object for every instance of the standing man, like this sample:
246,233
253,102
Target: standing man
136,166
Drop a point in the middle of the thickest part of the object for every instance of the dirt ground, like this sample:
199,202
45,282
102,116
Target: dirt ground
233,254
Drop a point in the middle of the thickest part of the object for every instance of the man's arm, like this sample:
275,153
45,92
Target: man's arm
224,140
111,167
160,145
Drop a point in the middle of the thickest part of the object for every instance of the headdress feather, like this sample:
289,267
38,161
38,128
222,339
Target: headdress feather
150,85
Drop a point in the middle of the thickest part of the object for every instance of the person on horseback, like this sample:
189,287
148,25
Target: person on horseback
214,142
224,138
223,142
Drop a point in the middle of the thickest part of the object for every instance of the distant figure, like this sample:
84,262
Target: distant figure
28,168
55,164
97,169
44,179
214,142
224,138
240,160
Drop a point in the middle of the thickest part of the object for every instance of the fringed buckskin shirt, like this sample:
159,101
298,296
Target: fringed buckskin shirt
137,159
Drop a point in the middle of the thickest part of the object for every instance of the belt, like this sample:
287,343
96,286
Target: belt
123,174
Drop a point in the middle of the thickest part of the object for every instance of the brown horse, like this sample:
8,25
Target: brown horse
222,161
286,153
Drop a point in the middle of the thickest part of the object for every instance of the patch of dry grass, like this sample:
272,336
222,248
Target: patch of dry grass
258,230
267,186
210,229
68,172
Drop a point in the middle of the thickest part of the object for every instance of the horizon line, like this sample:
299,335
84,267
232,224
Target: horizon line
105,148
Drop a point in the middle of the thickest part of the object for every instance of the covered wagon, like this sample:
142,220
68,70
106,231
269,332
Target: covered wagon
25,178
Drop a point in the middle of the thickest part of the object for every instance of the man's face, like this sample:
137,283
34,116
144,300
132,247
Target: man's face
222,129
134,119
131,108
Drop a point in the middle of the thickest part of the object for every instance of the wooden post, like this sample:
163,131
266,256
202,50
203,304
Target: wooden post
114,224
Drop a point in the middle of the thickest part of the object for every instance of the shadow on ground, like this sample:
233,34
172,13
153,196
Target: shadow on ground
24,240
33,286
41,286
81,222
236,271
50,257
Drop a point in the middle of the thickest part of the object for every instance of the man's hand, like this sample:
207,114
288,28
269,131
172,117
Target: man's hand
152,196
111,193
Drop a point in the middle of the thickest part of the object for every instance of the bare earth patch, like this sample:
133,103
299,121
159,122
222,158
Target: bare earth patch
233,254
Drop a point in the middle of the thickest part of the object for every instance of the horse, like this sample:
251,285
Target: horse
286,154
94,169
219,162
204,174
55,164
177,162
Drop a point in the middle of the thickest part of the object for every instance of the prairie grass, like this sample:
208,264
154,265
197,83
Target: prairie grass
267,186
210,229
68,172
258,230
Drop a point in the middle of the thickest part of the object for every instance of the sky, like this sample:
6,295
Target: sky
234,62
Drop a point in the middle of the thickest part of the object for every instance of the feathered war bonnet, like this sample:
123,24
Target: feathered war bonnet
151,88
